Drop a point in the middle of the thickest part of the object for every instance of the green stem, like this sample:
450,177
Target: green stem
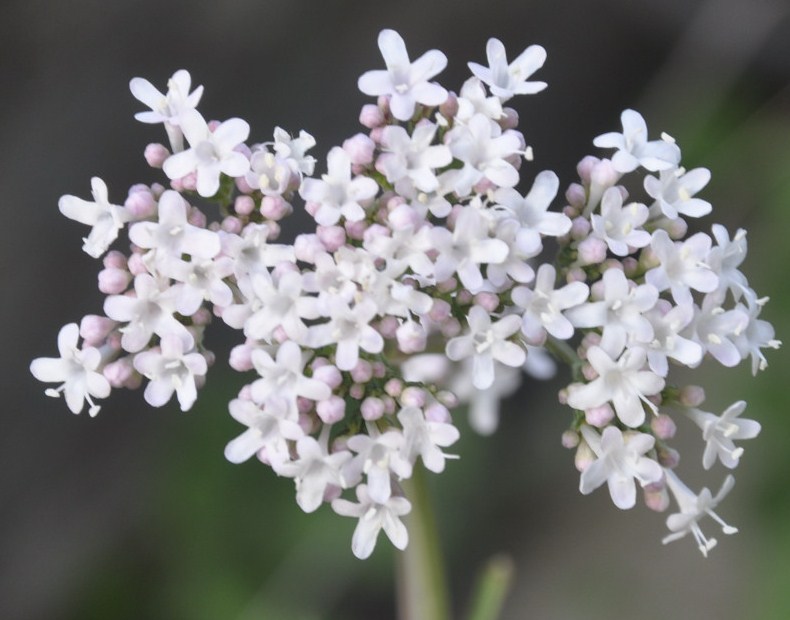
422,585
492,588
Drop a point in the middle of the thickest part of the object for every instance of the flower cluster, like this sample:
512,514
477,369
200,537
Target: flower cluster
424,285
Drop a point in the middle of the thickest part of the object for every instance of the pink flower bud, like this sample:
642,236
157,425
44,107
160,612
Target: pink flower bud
585,167
155,154
372,408
136,265
333,237
413,397
94,329
584,456
356,391
592,251
440,310
371,116
575,195
241,358
306,247
663,426
232,224
393,387
362,372
328,374
509,120
360,149
599,416
388,327
657,500
436,412
119,372
451,328
570,439
411,337
244,205
449,108
668,457
331,410
140,203
275,208
356,230
488,301
580,228
692,396
114,281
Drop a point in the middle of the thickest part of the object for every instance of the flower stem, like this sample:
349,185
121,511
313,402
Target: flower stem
422,586
492,588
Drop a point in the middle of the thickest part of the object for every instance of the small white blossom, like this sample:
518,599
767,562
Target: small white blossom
620,225
212,153
269,426
506,80
682,266
404,81
693,508
719,433
487,342
424,438
76,369
633,148
106,219
409,161
673,191
620,462
373,517
170,369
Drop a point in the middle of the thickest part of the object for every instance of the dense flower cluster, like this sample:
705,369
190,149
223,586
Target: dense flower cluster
424,285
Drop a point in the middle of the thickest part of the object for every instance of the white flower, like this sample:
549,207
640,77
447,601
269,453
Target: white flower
277,304
378,456
720,431
349,328
506,80
758,335
200,280
620,461
269,427
212,153
725,258
668,322
76,369
105,218
336,193
619,225
167,108
693,508
544,305
623,382
409,161
487,342
682,266
673,191
172,235
314,470
473,100
293,150
404,81
463,250
373,517
634,150
283,377
424,438
268,173
483,149
148,312
170,369
717,329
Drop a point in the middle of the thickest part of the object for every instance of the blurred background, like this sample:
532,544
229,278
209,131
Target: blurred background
136,514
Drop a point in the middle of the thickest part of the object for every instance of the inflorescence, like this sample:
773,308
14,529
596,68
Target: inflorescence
424,286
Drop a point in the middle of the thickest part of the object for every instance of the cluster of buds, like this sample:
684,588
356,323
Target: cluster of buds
424,286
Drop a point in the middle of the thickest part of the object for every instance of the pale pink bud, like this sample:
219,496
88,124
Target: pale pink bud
569,439
189,182
388,327
374,232
509,119
464,297
668,457
94,329
372,408
604,174
404,216
575,195
677,228
306,247
114,259
244,205
360,149
576,274
119,372
589,373
114,281
362,372
451,328
243,185
140,203
449,108
580,228
379,369
412,338
692,396
447,398
389,405
439,311
657,500
377,134
356,391
584,456
413,397
393,387
155,154
663,426
331,410
304,405
328,374
436,412
592,251
371,116
196,217
232,224
488,301
333,237
307,423
585,167
448,285
136,265
599,416
240,358
275,207
630,266
356,230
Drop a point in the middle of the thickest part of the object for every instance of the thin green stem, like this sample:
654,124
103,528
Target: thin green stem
491,589
422,585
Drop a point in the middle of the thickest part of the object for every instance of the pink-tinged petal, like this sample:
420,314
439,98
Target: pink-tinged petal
157,393
483,370
375,83
231,133
429,94
244,446
470,276
371,341
586,396
460,348
180,164
234,164
509,353
49,369
622,489
501,173
593,476
393,49
402,106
